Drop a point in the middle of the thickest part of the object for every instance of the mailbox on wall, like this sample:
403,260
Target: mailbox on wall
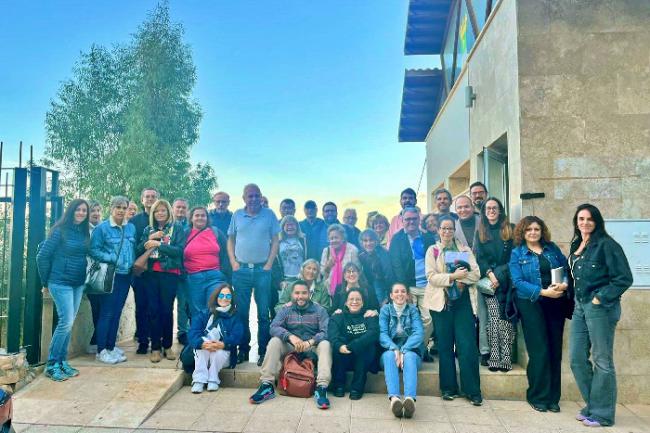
634,237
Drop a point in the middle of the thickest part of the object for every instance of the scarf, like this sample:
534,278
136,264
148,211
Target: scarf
223,309
336,276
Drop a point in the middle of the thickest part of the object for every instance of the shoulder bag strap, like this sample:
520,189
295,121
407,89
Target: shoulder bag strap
193,237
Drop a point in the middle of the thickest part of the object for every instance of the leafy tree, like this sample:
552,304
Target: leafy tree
127,119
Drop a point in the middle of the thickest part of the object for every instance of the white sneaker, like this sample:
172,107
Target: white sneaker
118,350
213,386
118,357
91,349
106,357
197,387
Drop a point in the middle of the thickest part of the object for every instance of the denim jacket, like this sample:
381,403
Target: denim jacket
411,323
524,269
105,242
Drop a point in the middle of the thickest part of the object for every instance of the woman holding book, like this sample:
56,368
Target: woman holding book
543,303
452,273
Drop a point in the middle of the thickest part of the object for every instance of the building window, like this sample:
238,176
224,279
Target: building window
449,53
466,38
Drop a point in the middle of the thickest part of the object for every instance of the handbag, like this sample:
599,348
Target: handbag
484,286
100,276
297,376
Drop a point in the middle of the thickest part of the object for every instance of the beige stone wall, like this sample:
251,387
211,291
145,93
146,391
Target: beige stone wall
584,85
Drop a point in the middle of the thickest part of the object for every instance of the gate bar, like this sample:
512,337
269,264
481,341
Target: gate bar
16,260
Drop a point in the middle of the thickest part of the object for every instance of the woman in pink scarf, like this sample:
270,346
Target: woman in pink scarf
336,256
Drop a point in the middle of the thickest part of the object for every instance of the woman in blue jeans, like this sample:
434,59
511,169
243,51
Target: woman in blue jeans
61,262
600,274
205,259
543,306
401,333
113,241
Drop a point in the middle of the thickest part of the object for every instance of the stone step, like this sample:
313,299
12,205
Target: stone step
101,396
494,385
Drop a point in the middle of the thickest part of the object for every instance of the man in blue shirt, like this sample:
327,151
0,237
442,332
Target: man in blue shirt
252,247
315,231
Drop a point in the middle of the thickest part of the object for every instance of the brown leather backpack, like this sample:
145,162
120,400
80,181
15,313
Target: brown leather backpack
297,376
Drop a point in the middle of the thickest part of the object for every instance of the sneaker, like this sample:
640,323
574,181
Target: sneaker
580,417
143,349
409,407
355,395
320,395
91,349
54,372
68,369
260,360
106,357
197,387
449,396
476,400
263,393
213,386
119,357
590,422
155,356
339,391
396,407
118,350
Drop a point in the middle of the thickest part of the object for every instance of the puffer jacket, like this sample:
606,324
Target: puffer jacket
411,323
105,244
232,331
61,259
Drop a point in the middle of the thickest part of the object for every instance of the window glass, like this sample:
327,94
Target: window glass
466,37
480,7
450,47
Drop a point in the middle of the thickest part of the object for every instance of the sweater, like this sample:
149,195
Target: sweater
356,332
309,322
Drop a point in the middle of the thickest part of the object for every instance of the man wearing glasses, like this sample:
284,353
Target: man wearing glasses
407,250
220,216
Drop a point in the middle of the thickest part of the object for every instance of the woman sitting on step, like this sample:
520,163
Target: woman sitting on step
214,336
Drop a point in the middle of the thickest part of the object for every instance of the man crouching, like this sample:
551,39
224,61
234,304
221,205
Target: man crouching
301,327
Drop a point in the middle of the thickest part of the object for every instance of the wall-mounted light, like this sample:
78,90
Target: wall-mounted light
470,97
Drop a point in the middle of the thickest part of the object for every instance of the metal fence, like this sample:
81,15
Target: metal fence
29,204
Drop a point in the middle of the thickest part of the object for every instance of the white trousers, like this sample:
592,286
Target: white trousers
208,364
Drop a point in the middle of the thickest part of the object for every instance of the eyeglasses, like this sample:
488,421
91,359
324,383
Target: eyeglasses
490,208
222,201
225,296
447,229
351,271
410,220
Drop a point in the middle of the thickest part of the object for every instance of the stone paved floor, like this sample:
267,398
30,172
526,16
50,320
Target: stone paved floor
228,410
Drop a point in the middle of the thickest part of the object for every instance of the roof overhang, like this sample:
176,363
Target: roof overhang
425,27
420,103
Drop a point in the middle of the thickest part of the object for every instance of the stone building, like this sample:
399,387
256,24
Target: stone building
544,96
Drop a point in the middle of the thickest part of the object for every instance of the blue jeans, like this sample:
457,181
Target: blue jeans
412,362
592,329
243,281
110,312
182,306
67,300
199,288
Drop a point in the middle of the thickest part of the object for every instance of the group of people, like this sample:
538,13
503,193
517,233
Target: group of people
391,296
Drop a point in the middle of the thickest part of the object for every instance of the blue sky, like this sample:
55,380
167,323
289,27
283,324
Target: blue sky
301,97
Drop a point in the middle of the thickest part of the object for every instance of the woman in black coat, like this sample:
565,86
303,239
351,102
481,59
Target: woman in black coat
353,338
493,246
376,265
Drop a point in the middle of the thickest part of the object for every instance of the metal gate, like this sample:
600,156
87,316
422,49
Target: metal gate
29,204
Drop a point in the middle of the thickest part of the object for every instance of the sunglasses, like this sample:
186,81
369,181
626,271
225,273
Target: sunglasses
224,296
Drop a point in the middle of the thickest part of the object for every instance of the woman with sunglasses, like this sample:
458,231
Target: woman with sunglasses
214,335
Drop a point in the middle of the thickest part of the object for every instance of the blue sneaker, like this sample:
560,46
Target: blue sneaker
320,395
68,369
263,393
54,372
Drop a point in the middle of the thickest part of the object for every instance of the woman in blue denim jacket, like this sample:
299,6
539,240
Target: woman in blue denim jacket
543,307
113,241
401,333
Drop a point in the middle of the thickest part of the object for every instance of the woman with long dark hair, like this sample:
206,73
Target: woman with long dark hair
61,262
165,239
353,278
600,274
492,247
376,265
214,335
543,306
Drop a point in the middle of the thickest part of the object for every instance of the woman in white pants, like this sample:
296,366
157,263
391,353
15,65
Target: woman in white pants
214,336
